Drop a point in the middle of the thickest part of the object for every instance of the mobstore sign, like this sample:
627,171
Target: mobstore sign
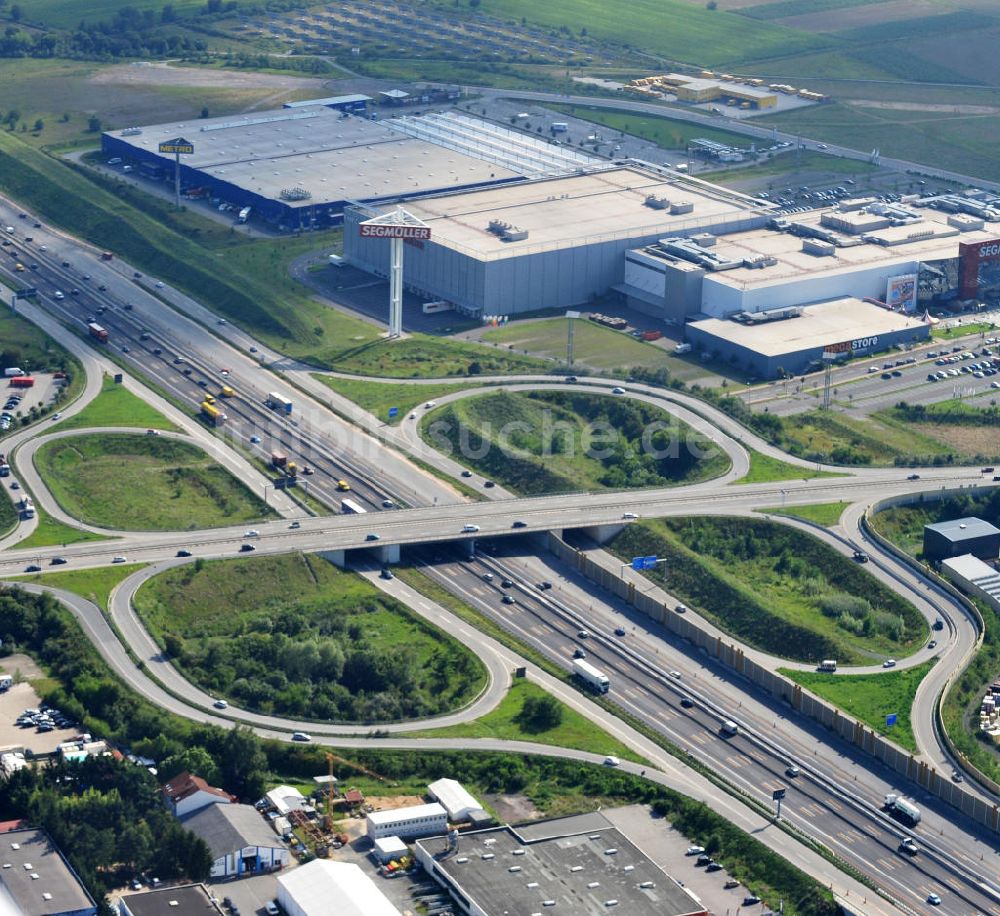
377,231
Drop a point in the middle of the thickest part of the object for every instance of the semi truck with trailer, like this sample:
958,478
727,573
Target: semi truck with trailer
22,381
97,332
902,810
280,462
594,679
212,414
27,508
350,507
278,402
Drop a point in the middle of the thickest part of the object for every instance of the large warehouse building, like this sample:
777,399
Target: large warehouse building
296,167
547,243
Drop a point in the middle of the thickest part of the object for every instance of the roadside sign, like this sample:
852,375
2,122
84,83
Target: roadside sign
177,147
639,563
28,293
393,412
891,720
777,795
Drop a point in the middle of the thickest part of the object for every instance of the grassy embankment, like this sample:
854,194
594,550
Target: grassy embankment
507,722
93,584
550,442
139,483
776,588
378,397
293,635
49,532
904,525
869,698
116,406
825,514
767,469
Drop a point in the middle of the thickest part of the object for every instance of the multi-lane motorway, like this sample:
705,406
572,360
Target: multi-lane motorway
835,799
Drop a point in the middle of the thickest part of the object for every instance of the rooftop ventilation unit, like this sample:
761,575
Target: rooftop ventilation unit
656,203
295,194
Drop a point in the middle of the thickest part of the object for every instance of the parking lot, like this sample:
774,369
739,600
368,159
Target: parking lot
18,698
18,400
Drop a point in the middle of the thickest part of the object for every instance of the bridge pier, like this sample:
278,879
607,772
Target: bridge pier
336,557
469,546
601,534
388,554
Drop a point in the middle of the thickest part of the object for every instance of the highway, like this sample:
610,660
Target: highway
842,815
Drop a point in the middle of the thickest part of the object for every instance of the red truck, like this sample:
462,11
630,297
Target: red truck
22,381
97,332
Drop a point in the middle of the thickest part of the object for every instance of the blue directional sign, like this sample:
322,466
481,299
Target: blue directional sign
891,720
28,293
643,563
393,412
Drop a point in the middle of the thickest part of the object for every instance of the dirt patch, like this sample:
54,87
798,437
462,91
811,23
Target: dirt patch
160,74
513,809
968,441
20,664
858,17
926,106
391,802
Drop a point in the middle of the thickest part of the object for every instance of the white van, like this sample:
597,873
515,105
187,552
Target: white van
828,664
729,728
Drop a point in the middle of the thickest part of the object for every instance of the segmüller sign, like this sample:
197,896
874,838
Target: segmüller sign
388,231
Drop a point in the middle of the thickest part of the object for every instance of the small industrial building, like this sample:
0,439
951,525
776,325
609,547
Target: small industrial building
792,340
974,577
36,878
387,848
187,793
701,89
187,900
961,536
454,798
355,104
582,866
240,841
417,820
550,242
322,888
286,798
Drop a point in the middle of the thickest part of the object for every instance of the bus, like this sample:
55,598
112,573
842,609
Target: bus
277,402
350,507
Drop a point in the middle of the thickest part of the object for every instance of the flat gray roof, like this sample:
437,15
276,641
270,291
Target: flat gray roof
316,148
819,325
964,529
794,263
39,879
581,872
187,900
600,204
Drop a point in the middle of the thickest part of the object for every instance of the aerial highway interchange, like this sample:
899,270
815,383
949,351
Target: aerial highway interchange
836,798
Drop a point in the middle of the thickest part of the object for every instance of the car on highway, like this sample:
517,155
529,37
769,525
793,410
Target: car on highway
519,524
913,477
544,586
618,390
15,486
253,349
295,524
629,516
611,761
469,529
188,370
506,583
373,537
119,559
932,644
251,533
889,663
488,577
619,631
791,771
301,736
466,473
583,634
388,504
58,561
908,845
255,440
58,294
247,548
33,567
159,285
676,675
934,899
386,573
221,704
489,484
687,702
508,599
183,553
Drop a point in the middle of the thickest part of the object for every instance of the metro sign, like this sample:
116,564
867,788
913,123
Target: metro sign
177,146
372,230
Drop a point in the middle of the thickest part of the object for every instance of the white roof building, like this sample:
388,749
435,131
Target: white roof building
975,577
322,887
453,797
286,798
417,820
390,847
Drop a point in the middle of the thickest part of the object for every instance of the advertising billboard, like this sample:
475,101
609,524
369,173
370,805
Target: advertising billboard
901,293
372,230
177,146
972,256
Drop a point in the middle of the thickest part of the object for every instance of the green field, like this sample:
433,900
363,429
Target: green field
294,635
870,697
962,330
668,28
767,469
826,514
49,532
506,723
420,356
562,442
93,584
378,397
776,588
116,406
139,483
8,516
